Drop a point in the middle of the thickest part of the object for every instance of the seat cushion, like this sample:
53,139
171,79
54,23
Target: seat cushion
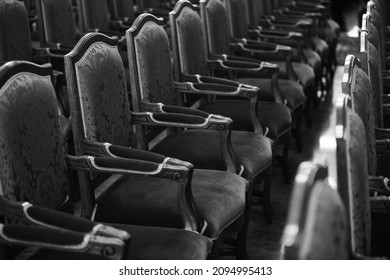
201,147
150,201
148,243
304,72
320,46
276,117
289,90
313,59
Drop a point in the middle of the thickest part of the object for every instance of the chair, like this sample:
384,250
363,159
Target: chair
101,113
191,65
316,227
148,46
34,168
352,176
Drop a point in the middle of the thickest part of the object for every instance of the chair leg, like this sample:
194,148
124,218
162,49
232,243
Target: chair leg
241,246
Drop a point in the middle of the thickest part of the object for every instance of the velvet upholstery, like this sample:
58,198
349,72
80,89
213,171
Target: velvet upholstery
219,202
98,90
359,201
272,115
32,162
15,38
325,234
148,243
58,24
289,90
361,95
206,154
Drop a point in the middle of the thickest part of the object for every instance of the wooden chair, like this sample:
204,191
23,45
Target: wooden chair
34,168
101,113
317,223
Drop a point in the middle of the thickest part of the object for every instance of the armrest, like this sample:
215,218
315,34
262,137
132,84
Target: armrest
386,108
162,108
267,33
181,174
57,220
383,146
263,50
49,53
182,120
385,98
382,133
55,239
380,204
379,184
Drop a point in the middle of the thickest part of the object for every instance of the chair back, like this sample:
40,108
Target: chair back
255,11
93,14
151,72
216,26
15,37
32,157
237,14
352,175
120,9
316,225
356,85
56,22
98,99
188,41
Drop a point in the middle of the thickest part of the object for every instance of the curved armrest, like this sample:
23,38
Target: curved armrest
264,51
104,149
379,184
382,133
55,239
162,108
380,204
266,33
385,99
217,89
182,120
383,146
49,53
178,173
57,220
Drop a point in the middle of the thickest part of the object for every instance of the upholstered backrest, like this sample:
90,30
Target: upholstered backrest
187,40
267,5
316,226
15,38
237,12
150,62
352,176
121,9
97,89
216,26
32,158
93,14
255,11
57,21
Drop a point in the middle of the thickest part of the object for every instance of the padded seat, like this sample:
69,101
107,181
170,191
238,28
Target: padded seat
276,117
148,243
313,59
289,90
206,155
219,197
304,72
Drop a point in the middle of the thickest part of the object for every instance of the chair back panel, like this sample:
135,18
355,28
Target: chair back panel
121,9
32,158
15,37
237,13
316,226
216,26
150,61
97,83
255,11
58,21
188,40
94,15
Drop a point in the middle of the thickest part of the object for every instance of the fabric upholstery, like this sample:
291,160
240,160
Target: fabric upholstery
305,73
219,196
206,154
362,104
96,14
15,38
375,75
58,23
32,163
154,65
106,113
358,189
192,52
276,117
325,233
289,90
149,243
